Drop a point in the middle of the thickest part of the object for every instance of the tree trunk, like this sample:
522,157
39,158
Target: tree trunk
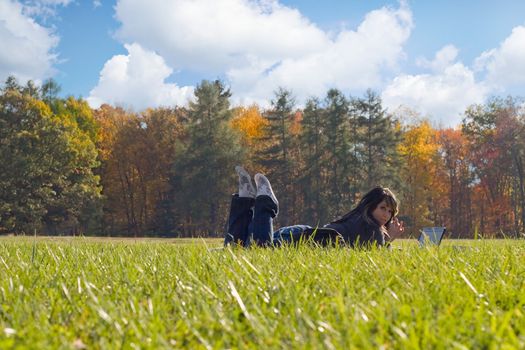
519,168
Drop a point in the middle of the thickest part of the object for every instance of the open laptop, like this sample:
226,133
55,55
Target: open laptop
431,236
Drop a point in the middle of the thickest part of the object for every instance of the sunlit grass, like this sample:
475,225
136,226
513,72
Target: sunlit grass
78,293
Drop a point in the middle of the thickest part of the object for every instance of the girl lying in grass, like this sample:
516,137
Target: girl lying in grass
372,222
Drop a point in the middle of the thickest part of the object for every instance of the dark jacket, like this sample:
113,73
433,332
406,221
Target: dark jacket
356,231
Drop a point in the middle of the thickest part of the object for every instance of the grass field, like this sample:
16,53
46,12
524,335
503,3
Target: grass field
109,293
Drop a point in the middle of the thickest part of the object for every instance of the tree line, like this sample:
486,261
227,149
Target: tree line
71,169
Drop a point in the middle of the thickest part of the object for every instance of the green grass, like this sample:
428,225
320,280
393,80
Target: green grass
87,293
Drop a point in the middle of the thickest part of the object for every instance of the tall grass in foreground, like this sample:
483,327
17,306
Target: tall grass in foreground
81,294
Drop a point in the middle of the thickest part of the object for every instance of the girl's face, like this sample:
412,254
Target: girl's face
382,213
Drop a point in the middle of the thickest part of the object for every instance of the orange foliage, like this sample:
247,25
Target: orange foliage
456,198
250,123
137,153
295,127
110,120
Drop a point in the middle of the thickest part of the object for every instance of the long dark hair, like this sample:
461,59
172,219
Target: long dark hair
369,202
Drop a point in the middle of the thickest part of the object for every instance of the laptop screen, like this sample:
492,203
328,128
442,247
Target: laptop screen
431,235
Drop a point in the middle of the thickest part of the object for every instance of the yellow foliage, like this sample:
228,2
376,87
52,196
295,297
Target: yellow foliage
250,123
419,150
419,142
39,106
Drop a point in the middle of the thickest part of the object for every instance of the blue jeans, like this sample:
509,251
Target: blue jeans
289,234
251,220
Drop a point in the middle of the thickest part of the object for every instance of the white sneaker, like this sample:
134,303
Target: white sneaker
264,187
246,188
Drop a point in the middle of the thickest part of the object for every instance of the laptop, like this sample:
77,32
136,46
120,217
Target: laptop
431,236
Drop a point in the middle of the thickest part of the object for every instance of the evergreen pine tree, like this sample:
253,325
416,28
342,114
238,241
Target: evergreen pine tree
312,179
378,138
204,174
275,157
337,133
355,161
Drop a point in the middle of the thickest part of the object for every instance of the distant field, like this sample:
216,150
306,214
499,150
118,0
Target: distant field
89,239
163,293
216,241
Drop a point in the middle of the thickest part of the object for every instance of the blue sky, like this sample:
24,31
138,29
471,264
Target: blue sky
433,57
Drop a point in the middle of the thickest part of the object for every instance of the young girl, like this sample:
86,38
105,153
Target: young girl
372,222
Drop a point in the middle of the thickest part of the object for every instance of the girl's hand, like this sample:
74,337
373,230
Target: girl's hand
395,229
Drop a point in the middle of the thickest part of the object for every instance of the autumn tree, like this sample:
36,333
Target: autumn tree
117,217
49,183
137,152
419,154
455,160
492,144
510,126
252,126
166,138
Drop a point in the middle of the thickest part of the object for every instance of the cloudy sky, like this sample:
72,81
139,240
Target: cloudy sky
436,57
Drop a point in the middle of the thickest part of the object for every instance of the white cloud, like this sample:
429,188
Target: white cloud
137,80
451,87
354,60
214,35
42,8
505,65
50,2
443,59
27,47
261,45
443,95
